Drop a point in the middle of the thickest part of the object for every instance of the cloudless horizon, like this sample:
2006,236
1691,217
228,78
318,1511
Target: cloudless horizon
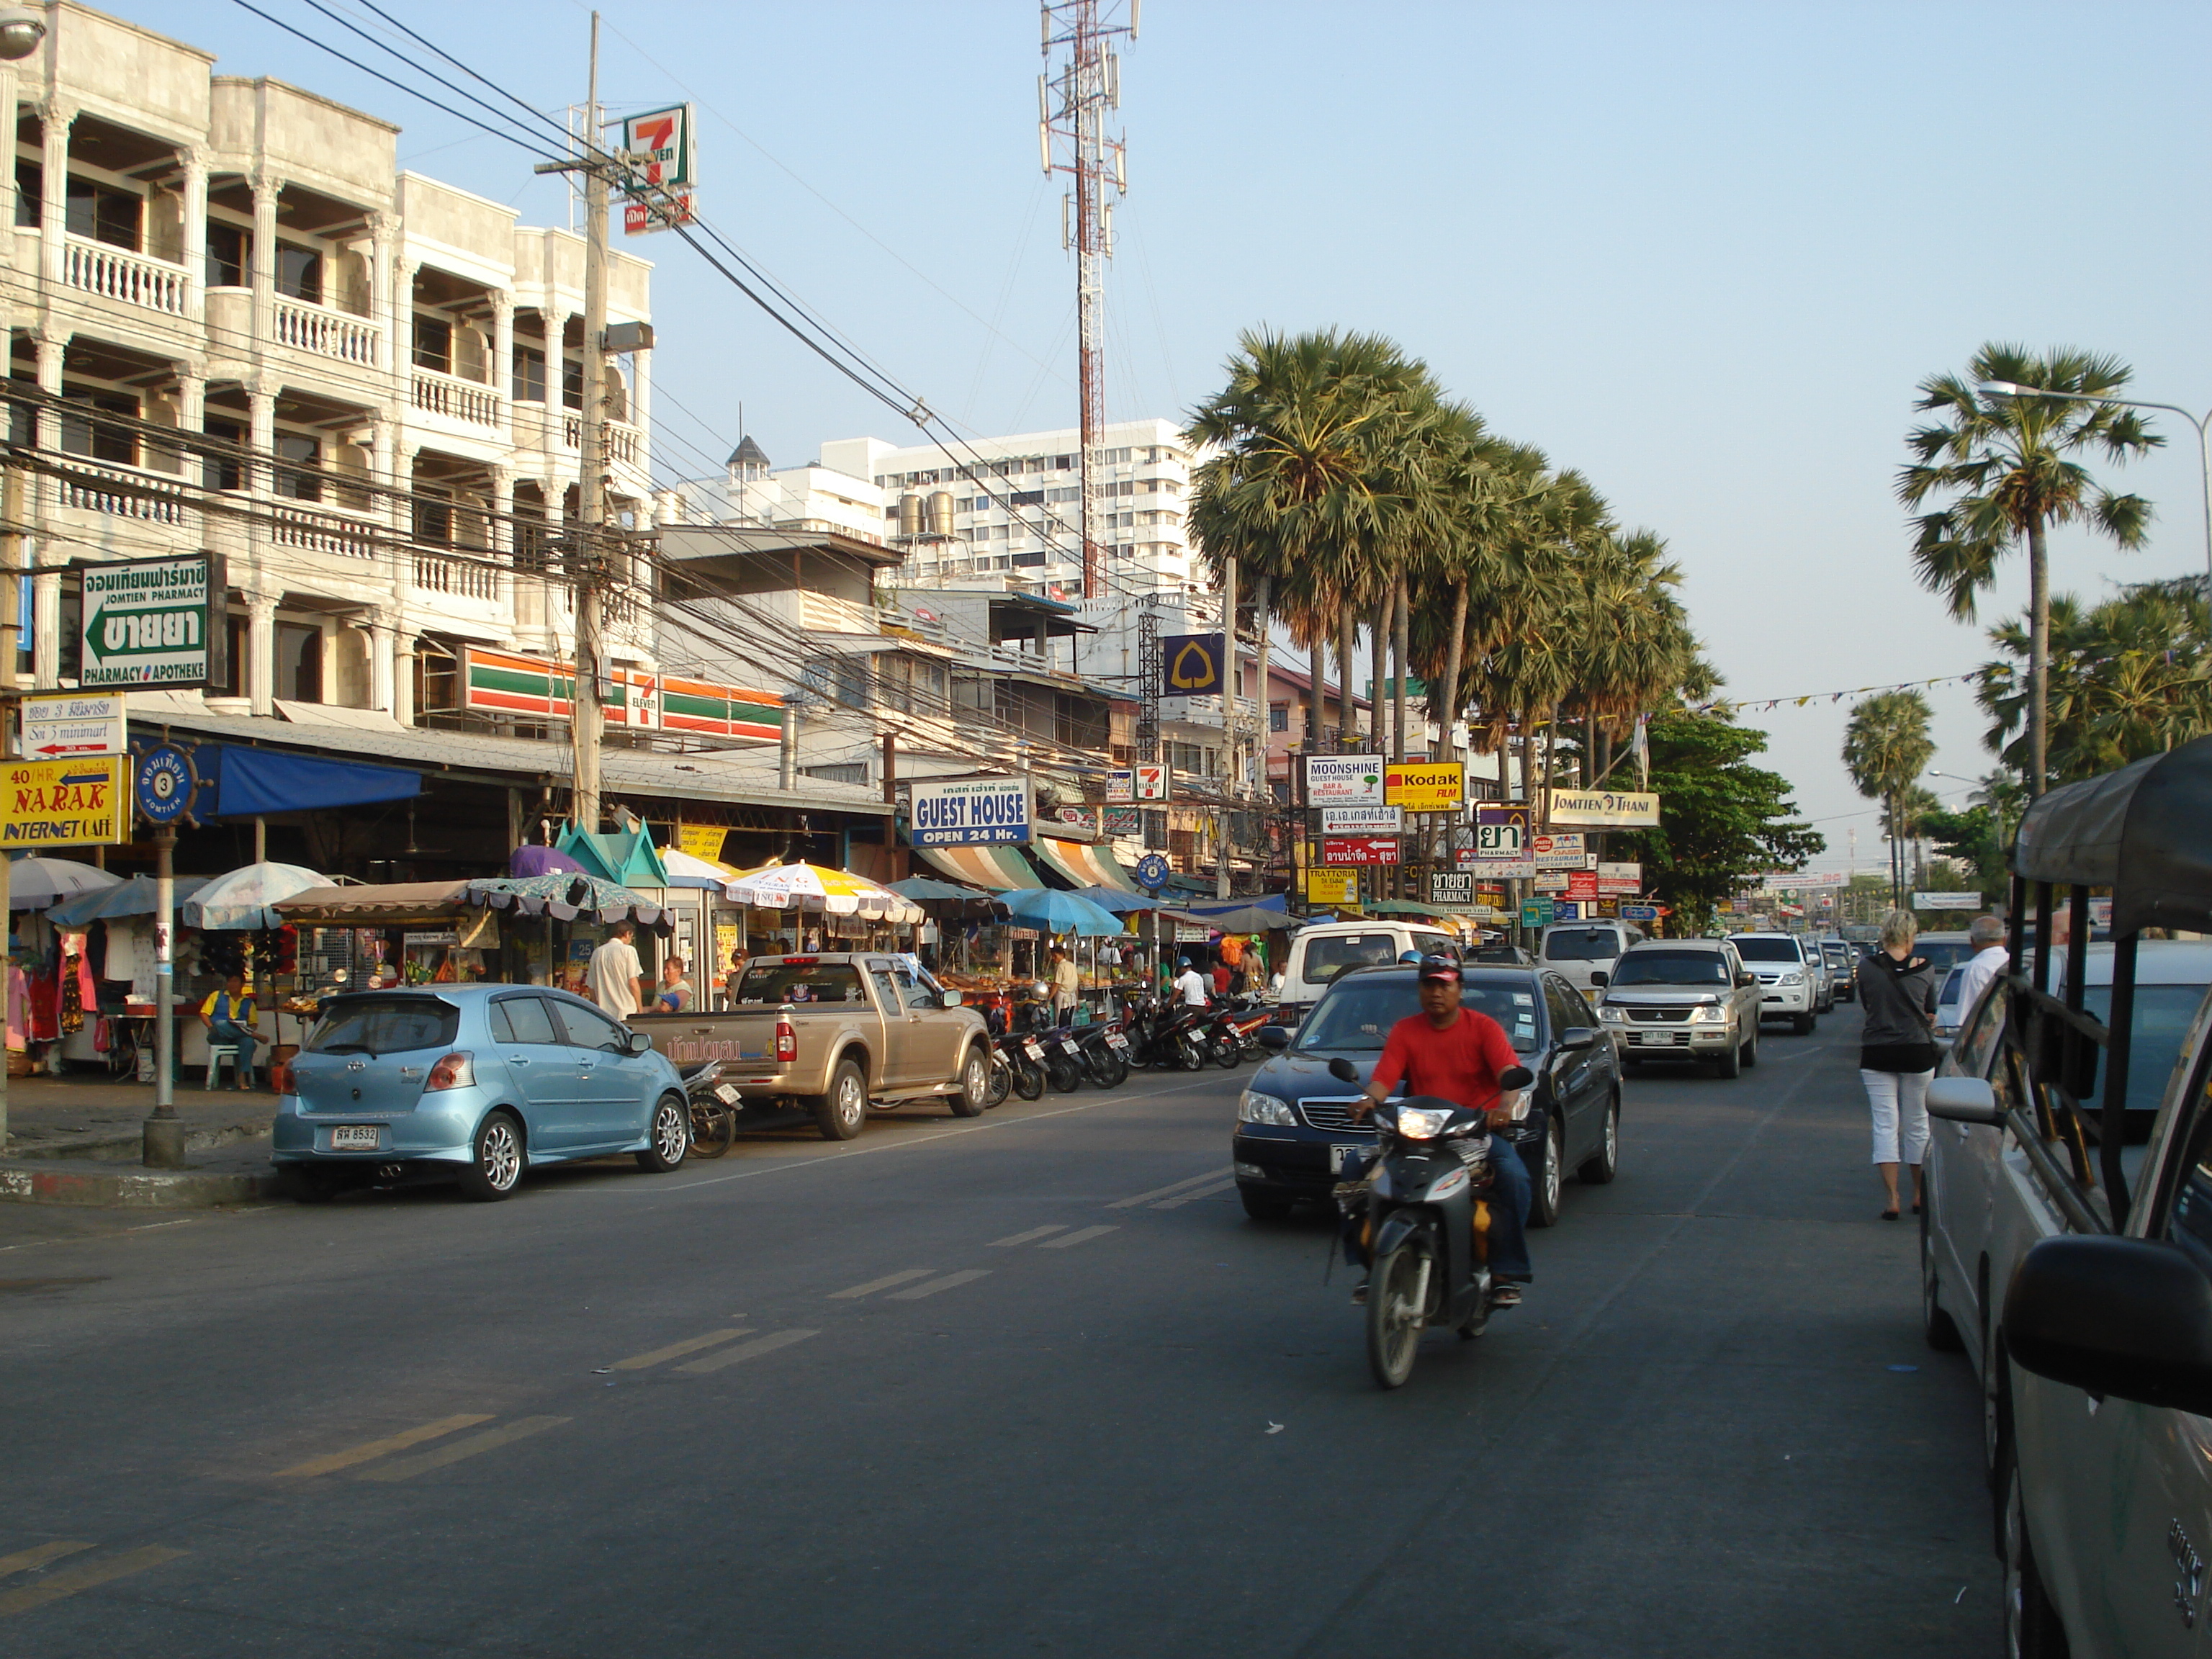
1701,252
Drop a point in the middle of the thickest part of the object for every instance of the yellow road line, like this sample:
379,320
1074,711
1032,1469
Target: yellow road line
638,1362
37,1556
1162,1191
1081,1235
937,1285
407,1468
752,1350
1033,1233
1214,1191
69,1580
401,1442
882,1283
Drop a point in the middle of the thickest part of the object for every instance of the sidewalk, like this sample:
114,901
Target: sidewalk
76,1140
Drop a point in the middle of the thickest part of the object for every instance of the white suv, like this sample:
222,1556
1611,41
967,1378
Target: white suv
1578,951
1788,984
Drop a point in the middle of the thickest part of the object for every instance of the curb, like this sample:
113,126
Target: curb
71,1182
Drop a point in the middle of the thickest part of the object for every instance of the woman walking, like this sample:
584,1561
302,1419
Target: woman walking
1897,1052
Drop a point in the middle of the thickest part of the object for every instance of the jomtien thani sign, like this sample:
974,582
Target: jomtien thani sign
1602,809
973,812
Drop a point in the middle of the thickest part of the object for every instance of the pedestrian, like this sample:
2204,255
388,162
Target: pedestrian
1067,986
1897,1052
674,992
1990,958
614,976
1190,986
228,1016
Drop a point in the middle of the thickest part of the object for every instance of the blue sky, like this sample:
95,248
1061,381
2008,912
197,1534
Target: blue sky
1702,252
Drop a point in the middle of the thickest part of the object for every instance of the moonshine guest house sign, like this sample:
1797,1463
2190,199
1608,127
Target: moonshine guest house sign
1344,781
154,623
973,812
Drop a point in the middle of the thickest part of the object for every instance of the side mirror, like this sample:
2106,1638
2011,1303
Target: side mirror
949,1000
1600,979
640,1042
1746,979
1578,1037
1964,1100
2125,1316
1343,1070
1518,1076
1275,1037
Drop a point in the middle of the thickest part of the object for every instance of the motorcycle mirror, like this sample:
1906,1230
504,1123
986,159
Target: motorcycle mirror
1516,1077
1343,1070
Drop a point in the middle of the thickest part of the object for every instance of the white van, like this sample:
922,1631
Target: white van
1319,954
1576,950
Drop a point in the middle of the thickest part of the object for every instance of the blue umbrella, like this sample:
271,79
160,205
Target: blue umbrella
134,897
1114,899
1062,912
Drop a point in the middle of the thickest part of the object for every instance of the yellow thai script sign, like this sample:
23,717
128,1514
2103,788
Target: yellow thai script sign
79,803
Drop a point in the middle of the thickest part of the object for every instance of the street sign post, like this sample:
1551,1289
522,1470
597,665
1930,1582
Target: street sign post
1640,913
1364,849
1947,901
73,723
1536,912
1362,820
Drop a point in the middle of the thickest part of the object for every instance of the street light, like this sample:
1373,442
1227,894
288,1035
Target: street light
20,31
2012,389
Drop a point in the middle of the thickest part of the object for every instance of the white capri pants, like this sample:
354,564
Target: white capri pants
1891,1095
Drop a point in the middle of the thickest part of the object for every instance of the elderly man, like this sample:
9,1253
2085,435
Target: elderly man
1986,934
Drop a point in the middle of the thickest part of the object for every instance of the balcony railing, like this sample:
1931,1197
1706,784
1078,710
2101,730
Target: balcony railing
322,532
115,273
329,333
456,399
623,440
461,579
124,492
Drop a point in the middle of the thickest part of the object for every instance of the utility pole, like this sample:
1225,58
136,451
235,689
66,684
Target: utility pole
1231,677
1071,105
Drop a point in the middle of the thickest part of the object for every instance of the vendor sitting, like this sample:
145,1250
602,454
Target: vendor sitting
674,993
228,1014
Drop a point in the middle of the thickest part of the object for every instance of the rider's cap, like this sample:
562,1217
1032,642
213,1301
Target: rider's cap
1443,968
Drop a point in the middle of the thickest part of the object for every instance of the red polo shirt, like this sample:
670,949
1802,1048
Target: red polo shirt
1461,1063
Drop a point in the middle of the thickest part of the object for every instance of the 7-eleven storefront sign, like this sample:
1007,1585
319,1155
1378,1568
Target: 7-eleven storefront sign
500,682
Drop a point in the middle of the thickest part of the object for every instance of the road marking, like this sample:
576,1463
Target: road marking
362,1454
752,1350
638,1362
1033,1234
1162,1191
968,1277
1081,1236
70,1580
882,1283
408,1468
1214,1191
37,1556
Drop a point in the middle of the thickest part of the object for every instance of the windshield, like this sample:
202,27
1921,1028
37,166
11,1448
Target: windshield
1582,944
2163,1014
1671,968
1328,957
1944,953
800,981
1838,956
1764,950
385,1026
1949,996
1357,1016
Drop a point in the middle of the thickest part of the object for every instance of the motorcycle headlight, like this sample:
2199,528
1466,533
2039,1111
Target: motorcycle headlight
1255,1108
1611,1015
1422,1123
1793,977
1709,1013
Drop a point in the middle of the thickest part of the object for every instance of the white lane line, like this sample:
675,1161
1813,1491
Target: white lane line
1034,1233
1082,1235
638,1362
968,1277
752,1350
37,1556
1162,1191
407,1468
1203,1192
882,1283
400,1442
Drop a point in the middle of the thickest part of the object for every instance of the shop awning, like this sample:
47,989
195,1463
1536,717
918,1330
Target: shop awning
995,867
1084,863
405,901
238,782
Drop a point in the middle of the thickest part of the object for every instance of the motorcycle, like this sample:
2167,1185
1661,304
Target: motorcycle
1166,1036
1016,1060
1246,1021
1412,1215
714,1110
1105,1053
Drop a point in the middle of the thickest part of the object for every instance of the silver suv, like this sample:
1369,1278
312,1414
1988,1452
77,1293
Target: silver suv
1790,985
1683,1001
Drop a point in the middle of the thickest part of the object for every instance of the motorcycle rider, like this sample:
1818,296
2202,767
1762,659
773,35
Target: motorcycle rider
1459,1054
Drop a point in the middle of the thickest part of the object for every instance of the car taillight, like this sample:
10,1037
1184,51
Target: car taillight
280,1078
786,1042
456,1071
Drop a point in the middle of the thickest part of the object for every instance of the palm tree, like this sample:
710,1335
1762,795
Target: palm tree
1632,638
2009,466
1885,749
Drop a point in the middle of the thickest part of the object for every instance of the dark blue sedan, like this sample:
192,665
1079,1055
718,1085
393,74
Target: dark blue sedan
1294,1124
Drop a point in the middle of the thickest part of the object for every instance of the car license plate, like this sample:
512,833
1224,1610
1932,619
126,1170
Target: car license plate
1034,1050
355,1138
1116,1040
1340,1158
726,1094
1068,1043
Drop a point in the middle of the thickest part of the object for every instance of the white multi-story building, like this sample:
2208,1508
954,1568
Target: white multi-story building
400,360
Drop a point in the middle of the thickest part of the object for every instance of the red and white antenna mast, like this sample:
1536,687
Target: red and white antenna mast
1073,99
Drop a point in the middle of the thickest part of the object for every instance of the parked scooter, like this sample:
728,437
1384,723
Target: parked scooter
714,1110
1016,1060
1412,1216
1105,1048
1166,1035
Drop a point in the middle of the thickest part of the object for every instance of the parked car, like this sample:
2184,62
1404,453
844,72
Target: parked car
1503,956
1948,1015
1683,1002
1946,950
1841,958
1787,978
473,1082
836,1034
1317,955
1294,1124
1580,951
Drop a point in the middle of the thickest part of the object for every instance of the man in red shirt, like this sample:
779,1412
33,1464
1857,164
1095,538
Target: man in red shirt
1458,1054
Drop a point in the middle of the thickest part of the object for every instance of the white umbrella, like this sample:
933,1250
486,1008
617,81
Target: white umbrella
241,899
814,887
35,882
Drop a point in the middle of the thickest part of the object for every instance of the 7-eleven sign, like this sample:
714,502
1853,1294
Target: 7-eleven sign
659,147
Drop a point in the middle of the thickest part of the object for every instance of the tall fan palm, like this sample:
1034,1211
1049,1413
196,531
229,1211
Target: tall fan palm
2009,466
1632,636
1885,749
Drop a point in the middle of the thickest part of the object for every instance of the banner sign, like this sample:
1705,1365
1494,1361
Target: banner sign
1124,821
71,803
973,812
702,841
1559,850
1602,808
73,723
1788,881
1368,850
1552,881
1344,780
1451,888
1947,901
1332,887
1121,786
502,683
719,711
1582,884
1362,820
1626,878
1429,786
154,623
1191,665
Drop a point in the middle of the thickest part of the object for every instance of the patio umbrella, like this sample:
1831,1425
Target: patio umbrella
35,882
242,898
923,887
817,887
689,870
134,897
1115,900
1062,912
535,860
565,897
1252,919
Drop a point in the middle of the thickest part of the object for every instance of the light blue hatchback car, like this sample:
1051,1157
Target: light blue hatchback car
477,1082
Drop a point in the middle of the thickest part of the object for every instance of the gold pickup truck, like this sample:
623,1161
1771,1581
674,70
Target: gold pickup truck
836,1034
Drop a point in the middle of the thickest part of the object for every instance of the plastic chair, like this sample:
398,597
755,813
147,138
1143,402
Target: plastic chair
218,1052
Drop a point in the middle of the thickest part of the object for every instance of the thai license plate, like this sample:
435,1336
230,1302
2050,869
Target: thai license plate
1034,1050
726,1094
355,1138
1116,1040
1069,1044
1343,1157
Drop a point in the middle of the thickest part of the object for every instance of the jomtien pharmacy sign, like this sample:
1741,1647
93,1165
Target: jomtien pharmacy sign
154,623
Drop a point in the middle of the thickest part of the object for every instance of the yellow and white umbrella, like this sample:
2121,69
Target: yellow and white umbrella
812,887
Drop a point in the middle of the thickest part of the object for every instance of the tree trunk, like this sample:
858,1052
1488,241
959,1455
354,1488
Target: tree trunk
1262,592
1447,699
2038,660
1401,629
1347,643
1316,660
1378,680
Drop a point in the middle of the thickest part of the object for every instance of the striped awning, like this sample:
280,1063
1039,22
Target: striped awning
995,867
1087,863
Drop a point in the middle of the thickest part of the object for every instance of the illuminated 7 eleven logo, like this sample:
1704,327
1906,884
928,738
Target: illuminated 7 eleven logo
653,142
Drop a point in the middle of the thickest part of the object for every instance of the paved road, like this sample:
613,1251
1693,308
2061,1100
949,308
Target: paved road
1030,1385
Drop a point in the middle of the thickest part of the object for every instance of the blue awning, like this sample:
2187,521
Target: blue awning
238,782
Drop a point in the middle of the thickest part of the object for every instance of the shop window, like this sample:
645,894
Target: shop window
434,519
30,194
227,256
572,384
528,375
434,344
299,273
102,215
302,453
103,441
224,471
298,662
1279,717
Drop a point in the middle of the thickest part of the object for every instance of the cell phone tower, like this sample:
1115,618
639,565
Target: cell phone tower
1073,99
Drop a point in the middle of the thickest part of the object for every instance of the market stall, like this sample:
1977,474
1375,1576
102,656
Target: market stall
818,908
113,929
52,997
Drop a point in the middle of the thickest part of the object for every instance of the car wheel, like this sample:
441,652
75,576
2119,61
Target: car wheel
1263,1206
1731,1063
1599,1169
1801,1024
494,1168
974,1096
1544,1202
844,1110
1937,1326
2031,1629
670,1136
